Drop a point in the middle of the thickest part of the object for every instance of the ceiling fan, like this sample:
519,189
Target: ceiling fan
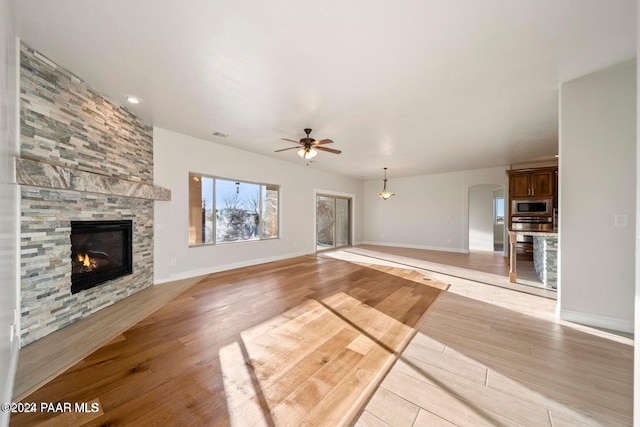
310,146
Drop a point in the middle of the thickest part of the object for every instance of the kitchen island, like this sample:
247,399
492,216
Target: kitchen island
545,255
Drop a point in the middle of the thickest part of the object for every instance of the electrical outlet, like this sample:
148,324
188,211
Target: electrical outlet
173,261
620,220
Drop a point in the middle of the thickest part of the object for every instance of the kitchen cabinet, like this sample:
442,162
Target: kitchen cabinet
532,183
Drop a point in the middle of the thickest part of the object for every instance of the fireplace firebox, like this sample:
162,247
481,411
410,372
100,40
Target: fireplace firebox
100,251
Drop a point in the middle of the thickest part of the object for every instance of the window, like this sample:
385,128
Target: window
223,210
499,210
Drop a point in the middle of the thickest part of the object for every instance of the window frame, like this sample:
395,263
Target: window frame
215,225
495,210
335,197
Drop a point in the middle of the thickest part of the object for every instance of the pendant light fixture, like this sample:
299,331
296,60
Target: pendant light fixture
384,193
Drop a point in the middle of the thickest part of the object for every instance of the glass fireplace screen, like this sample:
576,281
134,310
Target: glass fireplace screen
100,251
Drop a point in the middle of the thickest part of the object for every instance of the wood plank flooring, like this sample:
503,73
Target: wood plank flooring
457,265
485,355
50,356
491,356
302,341
486,262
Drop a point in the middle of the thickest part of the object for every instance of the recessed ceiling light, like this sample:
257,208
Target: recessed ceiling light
133,99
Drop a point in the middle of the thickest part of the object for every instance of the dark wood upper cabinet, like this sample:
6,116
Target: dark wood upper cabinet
542,183
519,185
532,183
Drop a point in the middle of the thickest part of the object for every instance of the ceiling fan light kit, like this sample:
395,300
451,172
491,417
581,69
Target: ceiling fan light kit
384,193
310,146
307,154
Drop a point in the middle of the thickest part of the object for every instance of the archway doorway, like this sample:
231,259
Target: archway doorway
486,217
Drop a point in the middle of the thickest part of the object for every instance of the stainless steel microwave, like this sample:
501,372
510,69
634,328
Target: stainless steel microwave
532,207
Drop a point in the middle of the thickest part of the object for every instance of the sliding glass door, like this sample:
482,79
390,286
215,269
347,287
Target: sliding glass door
333,222
343,222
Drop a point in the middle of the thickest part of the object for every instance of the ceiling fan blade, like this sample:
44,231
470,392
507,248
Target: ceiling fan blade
285,149
323,141
330,150
291,140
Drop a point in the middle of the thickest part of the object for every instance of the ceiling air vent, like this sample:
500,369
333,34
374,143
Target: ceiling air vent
220,134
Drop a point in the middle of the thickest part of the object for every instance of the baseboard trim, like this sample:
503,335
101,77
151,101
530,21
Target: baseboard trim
224,267
428,248
598,321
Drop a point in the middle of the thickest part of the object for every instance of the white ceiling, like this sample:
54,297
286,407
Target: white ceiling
420,86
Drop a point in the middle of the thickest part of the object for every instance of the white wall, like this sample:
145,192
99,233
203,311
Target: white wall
175,155
481,217
636,353
597,181
9,213
427,212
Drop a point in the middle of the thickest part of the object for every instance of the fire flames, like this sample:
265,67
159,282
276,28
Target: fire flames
88,263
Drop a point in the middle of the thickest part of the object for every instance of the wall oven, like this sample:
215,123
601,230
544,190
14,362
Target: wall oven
532,223
532,207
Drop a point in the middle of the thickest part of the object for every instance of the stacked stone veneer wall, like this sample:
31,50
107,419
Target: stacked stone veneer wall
545,259
65,122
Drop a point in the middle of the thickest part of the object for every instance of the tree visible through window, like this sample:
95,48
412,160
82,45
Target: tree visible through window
222,210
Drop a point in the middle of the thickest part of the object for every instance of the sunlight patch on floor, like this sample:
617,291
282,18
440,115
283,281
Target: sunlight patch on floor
243,404
317,362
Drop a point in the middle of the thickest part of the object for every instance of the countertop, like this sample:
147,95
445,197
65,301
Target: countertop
552,233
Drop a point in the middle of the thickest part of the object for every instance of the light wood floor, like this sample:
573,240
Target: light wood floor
298,342
489,262
486,262
485,355
482,267
52,355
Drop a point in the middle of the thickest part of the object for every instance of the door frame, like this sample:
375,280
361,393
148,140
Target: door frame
469,212
320,192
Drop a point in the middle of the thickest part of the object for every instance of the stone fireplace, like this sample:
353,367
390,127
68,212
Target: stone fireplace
84,161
